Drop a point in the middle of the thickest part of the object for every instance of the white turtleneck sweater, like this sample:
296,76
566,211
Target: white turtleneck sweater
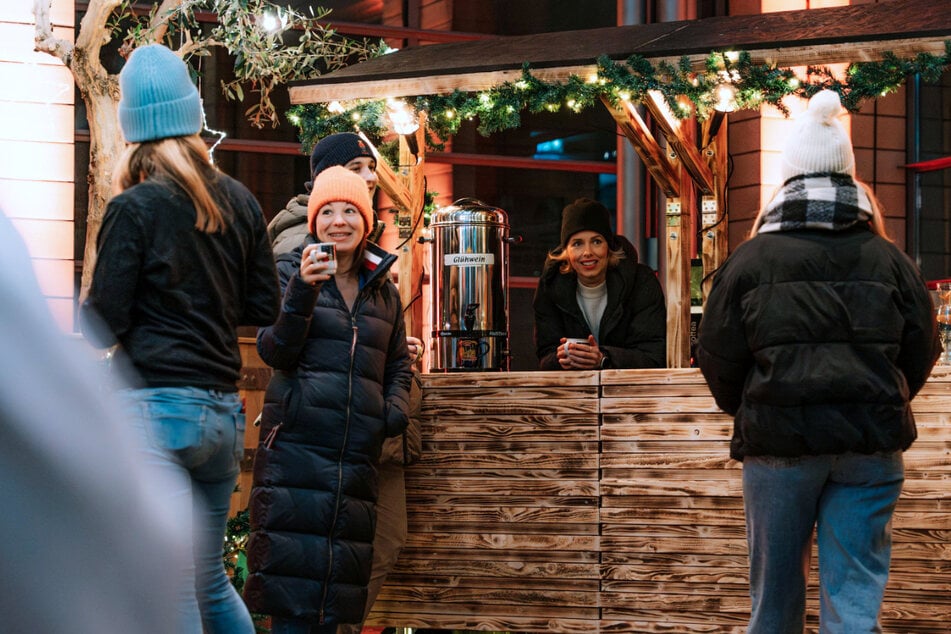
593,300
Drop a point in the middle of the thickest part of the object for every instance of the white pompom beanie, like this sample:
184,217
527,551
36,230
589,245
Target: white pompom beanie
819,141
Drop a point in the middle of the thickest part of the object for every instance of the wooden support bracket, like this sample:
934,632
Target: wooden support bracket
390,182
686,150
655,160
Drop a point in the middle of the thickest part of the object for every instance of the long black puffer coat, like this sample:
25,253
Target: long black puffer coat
633,329
816,341
340,386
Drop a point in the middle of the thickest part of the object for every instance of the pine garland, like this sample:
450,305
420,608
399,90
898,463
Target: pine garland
686,91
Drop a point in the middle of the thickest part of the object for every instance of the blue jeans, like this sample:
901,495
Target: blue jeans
195,442
849,499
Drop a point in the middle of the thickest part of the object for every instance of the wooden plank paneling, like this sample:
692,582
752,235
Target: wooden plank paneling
503,507
607,502
671,499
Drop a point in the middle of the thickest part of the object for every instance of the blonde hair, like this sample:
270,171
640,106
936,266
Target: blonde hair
877,222
183,160
560,254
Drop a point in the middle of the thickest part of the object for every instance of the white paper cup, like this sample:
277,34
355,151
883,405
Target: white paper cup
331,250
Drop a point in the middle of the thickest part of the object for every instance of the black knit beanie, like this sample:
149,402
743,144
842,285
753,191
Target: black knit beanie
338,149
586,214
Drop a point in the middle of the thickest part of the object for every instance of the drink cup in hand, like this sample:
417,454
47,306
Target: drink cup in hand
568,343
331,250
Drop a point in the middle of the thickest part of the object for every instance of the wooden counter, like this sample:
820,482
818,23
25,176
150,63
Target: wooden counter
606,502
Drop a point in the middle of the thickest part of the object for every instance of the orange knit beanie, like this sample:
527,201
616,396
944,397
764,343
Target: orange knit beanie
338,184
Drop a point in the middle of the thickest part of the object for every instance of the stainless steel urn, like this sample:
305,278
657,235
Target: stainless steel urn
470,268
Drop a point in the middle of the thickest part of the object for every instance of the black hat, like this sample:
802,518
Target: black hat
338,149
586,214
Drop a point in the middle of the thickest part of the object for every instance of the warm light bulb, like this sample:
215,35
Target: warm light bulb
402,119
272,21
726,97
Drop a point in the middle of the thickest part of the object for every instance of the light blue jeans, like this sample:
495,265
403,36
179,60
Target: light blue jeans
195,441
849,499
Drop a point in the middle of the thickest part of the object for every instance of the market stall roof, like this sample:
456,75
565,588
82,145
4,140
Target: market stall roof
788,38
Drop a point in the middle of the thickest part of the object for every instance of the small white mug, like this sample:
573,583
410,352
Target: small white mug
570,341
331,250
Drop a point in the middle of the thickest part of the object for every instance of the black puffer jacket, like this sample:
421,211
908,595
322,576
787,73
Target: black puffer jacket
633,330
816,341
341,385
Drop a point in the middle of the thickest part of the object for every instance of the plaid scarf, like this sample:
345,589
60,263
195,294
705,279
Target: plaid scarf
817,201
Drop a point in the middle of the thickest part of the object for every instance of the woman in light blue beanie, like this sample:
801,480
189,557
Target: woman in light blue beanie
183,261
158,98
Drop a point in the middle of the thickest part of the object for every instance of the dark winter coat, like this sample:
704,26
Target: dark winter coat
174,296
288,228
816,340
340,386
633,330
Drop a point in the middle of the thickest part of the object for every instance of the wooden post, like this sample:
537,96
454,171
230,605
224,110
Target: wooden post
406,187
410,222
714,244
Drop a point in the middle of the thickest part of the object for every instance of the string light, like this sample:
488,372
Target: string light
272,21
726,97
403,121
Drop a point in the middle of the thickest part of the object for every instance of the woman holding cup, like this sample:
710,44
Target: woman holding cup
596,306
340,387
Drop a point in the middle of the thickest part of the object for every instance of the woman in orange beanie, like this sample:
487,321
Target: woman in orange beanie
340,387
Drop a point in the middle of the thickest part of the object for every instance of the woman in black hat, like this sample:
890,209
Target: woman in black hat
596,306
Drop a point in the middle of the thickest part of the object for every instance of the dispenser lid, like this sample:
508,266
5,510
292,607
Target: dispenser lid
469,211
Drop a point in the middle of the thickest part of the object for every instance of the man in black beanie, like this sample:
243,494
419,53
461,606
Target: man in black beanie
288,228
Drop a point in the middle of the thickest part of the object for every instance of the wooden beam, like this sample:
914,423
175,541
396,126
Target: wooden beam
654,158
411,251
687,151
854,33
714,245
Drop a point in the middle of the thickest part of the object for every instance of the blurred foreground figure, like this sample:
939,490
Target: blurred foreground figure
86,545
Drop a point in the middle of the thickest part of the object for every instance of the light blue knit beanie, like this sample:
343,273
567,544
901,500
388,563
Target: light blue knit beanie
157,97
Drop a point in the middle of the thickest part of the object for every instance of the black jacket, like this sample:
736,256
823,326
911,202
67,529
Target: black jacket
340,386
633,330
174,296
816,341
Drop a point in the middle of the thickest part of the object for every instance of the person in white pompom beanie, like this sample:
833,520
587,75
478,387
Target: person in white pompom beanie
819,142
816,335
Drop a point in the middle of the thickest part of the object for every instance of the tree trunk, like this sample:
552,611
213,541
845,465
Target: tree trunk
100,92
